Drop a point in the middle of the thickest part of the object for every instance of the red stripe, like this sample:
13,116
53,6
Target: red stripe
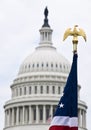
63,128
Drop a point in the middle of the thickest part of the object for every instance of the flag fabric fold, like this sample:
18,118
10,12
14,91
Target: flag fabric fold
66,114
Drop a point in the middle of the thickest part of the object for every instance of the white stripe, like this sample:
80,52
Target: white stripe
64,121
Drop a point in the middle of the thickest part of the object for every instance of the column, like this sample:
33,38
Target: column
85,118
23,114
30,115
37,114
17,116
44,114
5,118
13,116
51,111
79,117
8,117
82,119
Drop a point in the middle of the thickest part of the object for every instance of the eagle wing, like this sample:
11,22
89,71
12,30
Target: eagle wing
67,33
82,33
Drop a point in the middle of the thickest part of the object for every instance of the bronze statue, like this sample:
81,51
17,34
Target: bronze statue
46,12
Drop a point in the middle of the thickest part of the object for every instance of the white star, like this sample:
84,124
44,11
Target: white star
61,105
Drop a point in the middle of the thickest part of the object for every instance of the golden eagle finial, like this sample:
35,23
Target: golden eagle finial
75,33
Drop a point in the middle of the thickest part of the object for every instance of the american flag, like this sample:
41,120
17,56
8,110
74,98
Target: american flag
66,116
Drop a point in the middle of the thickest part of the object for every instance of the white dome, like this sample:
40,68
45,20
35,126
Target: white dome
45,58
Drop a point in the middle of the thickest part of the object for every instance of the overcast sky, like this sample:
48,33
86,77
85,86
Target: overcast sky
20,21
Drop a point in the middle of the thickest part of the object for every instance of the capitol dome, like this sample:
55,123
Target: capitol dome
38,87
44,59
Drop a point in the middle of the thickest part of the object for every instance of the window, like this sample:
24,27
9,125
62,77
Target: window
20,91
47,89
30,90
41,89
45,35
16,91
33,65
24,90
51,65
53,89
42,64
60,66
47,65
37,65
58,90
56,65
29,66
35,89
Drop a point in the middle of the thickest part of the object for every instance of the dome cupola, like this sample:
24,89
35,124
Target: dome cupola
46,31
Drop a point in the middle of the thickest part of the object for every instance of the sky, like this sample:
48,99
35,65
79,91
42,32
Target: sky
20,21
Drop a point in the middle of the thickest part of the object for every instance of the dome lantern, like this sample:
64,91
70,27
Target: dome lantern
46,31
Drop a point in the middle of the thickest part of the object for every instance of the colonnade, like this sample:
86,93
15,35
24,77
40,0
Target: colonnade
28,114
36,114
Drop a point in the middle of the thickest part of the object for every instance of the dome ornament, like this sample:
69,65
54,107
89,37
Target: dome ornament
46,12
46,19
75,33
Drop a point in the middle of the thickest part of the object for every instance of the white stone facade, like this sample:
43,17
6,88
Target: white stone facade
38,87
